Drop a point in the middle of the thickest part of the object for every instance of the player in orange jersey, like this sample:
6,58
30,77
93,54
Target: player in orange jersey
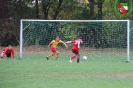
53,44
7,51
75,49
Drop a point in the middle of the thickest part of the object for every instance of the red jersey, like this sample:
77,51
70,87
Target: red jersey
7,50
76,43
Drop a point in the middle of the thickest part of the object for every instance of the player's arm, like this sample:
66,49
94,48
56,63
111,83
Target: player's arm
4,53
68,42
13,53
79,43
49,44
64,44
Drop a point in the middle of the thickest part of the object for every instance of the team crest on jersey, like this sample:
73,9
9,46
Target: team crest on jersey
123,7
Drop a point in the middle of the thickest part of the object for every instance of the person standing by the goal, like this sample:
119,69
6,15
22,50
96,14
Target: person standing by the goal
53,44
8,51
75,49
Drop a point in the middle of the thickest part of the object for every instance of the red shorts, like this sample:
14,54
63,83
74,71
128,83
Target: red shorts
54,50
75,50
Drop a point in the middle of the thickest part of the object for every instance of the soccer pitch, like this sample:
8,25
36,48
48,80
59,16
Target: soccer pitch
34,71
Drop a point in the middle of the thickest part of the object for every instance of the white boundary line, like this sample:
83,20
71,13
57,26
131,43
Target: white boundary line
74,20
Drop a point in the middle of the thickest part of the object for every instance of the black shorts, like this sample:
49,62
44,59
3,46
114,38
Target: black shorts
8,55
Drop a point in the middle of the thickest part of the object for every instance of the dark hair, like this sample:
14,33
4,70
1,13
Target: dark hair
57,36
79,37
9,46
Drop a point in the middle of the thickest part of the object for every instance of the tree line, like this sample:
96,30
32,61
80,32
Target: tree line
14,10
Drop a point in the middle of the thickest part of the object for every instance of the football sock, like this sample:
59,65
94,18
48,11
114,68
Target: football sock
57,56
73,57
77,60
49,55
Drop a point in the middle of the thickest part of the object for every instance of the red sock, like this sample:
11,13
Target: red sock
73,57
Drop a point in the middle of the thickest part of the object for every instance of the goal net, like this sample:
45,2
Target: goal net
102,39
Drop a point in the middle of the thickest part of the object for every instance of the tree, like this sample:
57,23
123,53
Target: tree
10,21
46,6
100,3
57,10
4,11
37,10
4,19
60,9
91,8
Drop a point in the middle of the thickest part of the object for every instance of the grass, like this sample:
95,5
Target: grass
34,71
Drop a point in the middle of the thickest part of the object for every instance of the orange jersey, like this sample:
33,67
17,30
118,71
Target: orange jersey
55,43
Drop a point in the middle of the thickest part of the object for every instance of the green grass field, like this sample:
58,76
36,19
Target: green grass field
34,71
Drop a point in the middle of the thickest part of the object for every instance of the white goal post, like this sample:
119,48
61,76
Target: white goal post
30,20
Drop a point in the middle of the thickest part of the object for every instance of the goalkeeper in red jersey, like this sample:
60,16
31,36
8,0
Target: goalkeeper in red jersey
53,44
8,51
75,49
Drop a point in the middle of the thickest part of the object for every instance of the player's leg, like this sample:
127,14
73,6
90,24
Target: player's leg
8,55
52,54
70,60
54,51
78,57
57,54
2,55
73,57
74,50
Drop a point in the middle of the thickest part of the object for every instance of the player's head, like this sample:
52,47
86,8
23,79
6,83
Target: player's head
57,38
79,37
10,47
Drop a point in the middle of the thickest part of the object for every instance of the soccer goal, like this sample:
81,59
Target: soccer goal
102,39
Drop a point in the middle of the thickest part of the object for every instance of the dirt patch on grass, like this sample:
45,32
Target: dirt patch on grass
45,49
116,76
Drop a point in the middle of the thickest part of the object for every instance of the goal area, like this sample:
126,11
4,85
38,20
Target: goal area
102,39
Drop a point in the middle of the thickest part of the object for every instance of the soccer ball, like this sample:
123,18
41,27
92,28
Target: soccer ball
84,57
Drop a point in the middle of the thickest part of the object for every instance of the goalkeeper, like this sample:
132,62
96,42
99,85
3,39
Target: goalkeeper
75,49
7,51
53,44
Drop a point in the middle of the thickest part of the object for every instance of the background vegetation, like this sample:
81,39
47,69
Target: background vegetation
14,10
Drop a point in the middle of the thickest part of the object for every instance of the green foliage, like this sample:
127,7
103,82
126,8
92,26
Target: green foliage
67,9
94,34
41,33
20,10
10,27
117,37
83,13
110,10
52,9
